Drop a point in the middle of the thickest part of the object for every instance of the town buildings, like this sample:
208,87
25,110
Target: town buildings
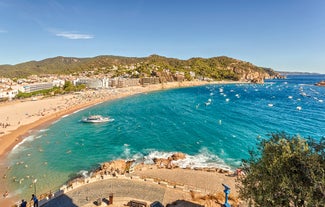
9,88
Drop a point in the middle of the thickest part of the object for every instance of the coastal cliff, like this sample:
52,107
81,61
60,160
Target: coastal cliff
169,69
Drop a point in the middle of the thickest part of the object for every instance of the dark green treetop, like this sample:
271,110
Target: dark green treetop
285,171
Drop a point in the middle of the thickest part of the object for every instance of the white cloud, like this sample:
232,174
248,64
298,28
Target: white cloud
74,36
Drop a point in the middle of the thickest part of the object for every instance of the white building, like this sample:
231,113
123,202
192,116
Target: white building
37,87
94,83
8,93
58,83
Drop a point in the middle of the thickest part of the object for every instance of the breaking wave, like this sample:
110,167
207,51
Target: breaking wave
203,159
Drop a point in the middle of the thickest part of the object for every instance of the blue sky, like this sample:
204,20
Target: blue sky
282,34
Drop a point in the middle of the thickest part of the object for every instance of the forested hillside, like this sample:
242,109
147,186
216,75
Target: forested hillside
216,68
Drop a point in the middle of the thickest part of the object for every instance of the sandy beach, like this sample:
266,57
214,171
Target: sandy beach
18,118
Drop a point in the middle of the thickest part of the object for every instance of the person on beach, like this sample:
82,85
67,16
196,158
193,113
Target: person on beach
23,203
34,198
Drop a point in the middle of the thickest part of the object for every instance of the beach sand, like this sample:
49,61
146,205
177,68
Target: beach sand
18,118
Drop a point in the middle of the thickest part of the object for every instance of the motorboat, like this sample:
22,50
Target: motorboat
96,119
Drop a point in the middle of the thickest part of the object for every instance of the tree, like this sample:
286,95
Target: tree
68,86
285,171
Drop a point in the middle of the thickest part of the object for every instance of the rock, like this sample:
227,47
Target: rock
116,165
161,162
167,162
321,83
178,156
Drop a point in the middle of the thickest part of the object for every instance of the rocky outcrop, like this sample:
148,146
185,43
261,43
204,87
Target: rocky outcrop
121,167
114,167
168,162
253,75
117,167
178,156
321,83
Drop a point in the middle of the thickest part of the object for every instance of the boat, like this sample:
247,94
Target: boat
96,119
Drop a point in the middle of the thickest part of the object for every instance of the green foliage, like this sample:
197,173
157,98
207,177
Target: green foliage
188,76
285,171
69,87
45,92
80,87
217,68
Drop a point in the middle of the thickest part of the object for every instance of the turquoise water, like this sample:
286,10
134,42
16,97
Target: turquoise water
215,125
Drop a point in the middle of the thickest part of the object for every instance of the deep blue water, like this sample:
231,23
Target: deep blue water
219,133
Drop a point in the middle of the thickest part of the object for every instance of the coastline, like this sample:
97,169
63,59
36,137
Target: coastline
29,115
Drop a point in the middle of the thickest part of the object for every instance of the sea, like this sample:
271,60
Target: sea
214,125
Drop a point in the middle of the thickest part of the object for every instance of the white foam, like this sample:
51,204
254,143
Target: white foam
158,154
201,160
126,151
65,115
18,146
137,156
39,136
79,110
44,130
83,173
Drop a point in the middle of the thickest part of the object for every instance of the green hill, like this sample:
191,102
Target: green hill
217,68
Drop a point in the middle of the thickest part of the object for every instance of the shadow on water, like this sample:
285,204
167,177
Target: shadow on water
62,200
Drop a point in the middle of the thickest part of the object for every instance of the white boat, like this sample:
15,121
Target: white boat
208,102
96,119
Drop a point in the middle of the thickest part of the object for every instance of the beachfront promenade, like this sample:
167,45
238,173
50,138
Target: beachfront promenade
121,188
175,184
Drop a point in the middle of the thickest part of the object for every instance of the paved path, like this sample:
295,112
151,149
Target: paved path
207,182
125,190
89,193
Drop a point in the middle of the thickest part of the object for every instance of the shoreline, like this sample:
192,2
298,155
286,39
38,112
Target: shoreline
55,108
